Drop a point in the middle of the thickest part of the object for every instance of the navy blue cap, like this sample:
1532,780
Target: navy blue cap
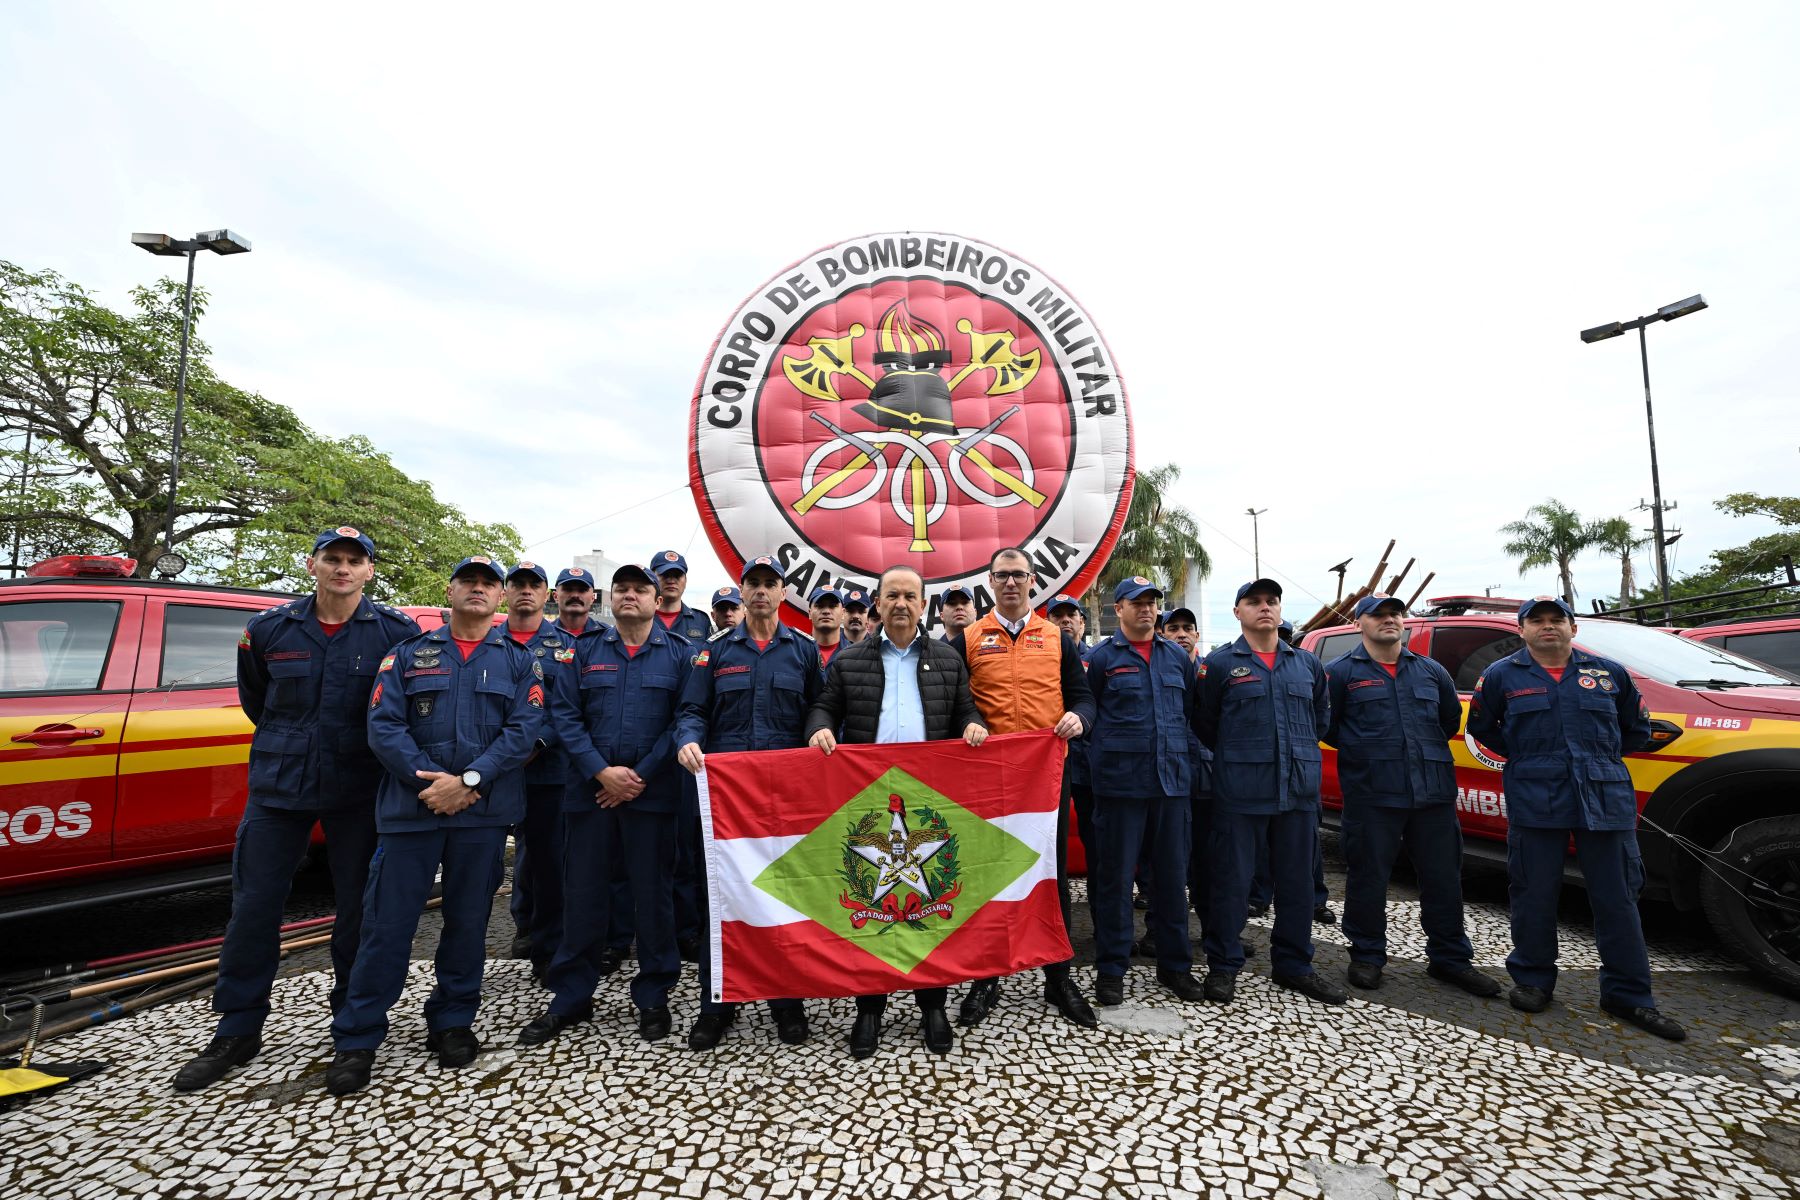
1285,627
668,560
956,589
492,566
765,561
527,567
636,572
1257,585
1536,601
1063,600
345,533
1172,613
856,598
1134,586
821,593
1369,604
575,575
728,595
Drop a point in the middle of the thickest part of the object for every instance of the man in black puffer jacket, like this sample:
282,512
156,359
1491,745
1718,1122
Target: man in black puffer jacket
896,685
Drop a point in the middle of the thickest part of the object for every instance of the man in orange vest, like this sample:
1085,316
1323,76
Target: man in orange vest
1026,673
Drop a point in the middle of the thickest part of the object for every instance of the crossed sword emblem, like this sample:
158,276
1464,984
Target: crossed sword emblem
922,472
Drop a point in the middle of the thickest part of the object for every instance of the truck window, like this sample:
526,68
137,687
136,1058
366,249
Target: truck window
1467,650
200,645
1777,647
1337,645
55,645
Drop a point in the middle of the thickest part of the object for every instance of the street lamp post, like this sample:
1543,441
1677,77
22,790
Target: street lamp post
1256,537
219,241
1601,333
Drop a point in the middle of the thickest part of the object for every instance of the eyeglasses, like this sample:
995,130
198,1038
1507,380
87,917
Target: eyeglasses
1013,575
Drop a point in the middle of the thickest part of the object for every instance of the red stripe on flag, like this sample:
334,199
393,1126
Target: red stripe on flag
806,960
1004,775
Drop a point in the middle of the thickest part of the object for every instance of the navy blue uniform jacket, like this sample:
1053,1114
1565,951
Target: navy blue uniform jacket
1263,727
1564,742
308,696
740,698
1140,745
1393,733
617,709
431,711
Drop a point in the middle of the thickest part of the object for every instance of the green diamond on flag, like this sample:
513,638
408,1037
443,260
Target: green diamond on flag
897,869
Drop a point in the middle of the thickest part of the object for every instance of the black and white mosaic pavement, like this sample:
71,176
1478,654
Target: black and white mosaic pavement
1413,1090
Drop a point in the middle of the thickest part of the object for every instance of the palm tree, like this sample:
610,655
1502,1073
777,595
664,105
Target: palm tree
1616,535
1555,537
1159,540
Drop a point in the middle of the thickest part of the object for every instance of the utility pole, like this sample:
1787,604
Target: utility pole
1256,537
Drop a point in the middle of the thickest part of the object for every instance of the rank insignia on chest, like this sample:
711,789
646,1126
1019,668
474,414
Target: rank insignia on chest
1607,685
1587,681
422,705
1239,672
537,668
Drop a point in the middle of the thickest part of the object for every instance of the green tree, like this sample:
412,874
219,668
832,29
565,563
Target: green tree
1757,562
1619,537
87,401
1159,540
1552,534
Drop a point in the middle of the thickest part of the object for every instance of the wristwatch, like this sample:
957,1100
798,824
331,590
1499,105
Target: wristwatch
471,779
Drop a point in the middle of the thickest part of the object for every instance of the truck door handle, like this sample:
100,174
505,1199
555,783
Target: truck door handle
51,734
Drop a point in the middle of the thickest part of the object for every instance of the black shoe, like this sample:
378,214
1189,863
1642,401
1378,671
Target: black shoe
521,946
1068,1000
1219,987
1364,975
1144,947
1467,978
552,1023
1109,990
1530,999
1323,915
982,998
934,1027
865,1035
653,1023
1650,1020
1314,985
213,1063
609,961
709,1028
349,1072
1183,984
689,948
455,1047
791,1026
1260,910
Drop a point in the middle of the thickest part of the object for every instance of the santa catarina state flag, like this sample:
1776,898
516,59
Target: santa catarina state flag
882,868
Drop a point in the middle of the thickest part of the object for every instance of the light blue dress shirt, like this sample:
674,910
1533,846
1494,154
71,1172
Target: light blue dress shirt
902,712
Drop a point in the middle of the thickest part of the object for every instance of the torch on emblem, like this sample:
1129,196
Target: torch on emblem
910,406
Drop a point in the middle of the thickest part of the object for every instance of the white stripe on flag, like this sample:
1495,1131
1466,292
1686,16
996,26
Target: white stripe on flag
1038,830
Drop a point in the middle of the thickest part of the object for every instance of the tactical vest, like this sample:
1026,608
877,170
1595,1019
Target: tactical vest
1016,682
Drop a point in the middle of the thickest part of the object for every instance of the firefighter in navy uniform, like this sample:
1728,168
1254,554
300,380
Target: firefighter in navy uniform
1068,615
1143,771
1393,714
1564,719
856,614
727,611
825,609
453,717
671,571
751,693
615,712
304,674
1261,707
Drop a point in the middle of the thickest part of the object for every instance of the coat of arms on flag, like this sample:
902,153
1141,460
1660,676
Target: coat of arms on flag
881,868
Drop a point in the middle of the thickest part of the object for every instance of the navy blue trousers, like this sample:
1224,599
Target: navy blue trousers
690,867
1292,838
621,918
1125,826
1373,839
646,841
707,1003
537,902
400,879
1262,891
1614,872
271,845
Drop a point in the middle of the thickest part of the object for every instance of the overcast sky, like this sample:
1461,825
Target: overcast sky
1341,252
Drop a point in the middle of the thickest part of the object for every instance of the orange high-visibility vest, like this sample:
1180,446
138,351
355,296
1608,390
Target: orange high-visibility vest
1016,682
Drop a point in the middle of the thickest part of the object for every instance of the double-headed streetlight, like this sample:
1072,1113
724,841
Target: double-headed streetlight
1600,333
219,241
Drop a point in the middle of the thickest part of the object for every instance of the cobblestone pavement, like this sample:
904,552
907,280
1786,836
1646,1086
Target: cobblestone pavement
1414,1090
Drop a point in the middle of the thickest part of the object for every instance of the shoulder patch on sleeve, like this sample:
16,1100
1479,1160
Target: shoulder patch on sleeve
375,696
244,639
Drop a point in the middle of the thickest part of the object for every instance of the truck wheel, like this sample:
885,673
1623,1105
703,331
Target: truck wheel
1752,896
